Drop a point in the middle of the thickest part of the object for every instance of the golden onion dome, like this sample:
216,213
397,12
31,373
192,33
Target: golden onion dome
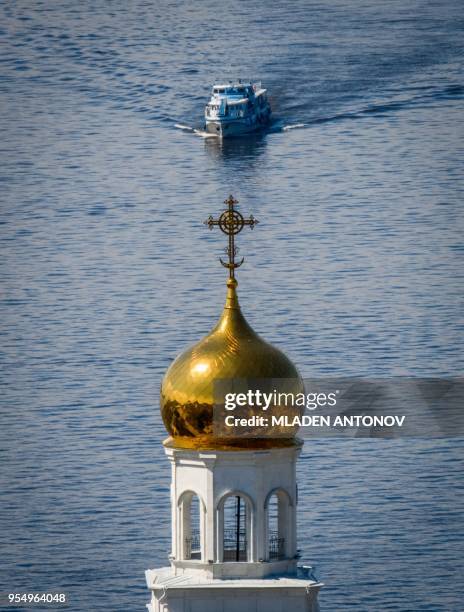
232,350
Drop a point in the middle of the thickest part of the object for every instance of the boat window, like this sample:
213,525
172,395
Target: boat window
236,91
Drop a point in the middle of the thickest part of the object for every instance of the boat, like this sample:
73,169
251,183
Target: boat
237,108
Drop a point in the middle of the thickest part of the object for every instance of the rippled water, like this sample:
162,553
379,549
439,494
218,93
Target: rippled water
107,273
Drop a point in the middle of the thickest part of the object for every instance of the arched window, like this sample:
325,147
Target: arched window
278,516
191,513
235,518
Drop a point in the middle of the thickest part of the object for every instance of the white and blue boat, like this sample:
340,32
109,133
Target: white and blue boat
237,108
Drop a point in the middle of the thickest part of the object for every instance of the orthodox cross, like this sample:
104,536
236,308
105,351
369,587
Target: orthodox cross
231,222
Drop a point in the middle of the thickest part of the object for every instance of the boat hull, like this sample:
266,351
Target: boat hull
234,127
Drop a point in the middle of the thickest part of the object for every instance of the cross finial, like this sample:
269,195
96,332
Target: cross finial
231,222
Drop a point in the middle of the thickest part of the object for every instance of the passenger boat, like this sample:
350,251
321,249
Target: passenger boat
237,108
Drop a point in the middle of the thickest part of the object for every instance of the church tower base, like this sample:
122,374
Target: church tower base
187,593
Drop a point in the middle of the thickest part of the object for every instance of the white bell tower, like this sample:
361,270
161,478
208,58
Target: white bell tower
246,524
234,544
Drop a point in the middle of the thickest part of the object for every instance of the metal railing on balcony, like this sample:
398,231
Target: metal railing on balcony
193,546
235,545
276,547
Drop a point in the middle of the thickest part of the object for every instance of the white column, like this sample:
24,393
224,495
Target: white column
174,544
210,510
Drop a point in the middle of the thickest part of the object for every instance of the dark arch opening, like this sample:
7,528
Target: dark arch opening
276,528
235,547
192,527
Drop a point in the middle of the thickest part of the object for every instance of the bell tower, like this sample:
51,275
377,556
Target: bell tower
233,512
233,499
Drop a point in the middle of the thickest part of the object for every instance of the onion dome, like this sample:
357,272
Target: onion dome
232,351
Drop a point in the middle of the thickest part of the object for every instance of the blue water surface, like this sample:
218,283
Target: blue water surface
107,272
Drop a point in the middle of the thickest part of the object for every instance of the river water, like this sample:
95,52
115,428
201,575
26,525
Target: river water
355,269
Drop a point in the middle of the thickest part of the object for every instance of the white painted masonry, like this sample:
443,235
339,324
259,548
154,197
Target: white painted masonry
209,583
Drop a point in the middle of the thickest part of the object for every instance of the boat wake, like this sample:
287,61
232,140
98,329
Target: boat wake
196,131
204,134
275,127
186,128
296,126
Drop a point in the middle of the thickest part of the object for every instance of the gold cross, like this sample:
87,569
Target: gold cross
231,222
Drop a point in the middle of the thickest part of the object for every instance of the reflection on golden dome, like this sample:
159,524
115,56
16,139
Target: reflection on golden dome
232,350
